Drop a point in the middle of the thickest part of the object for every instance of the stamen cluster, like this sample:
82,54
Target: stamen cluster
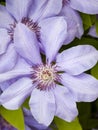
45,76
11,30
33,26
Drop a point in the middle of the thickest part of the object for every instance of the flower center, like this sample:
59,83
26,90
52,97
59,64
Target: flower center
33,26
45,76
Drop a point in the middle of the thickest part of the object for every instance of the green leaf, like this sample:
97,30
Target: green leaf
86,19
14,117
26,103
63,125
94,71
87,22
96,25
93,18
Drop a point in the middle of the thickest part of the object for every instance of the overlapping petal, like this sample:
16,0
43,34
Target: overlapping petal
4,85
18,8
71,31
42,105
45,8
73,15
53,35
26,44
15,95
8,59
83,87
5,18
30,121
77,59
65,104
21,69
4,40
87,6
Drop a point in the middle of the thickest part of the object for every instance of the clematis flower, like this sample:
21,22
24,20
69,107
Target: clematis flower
28,12
70,10
54,82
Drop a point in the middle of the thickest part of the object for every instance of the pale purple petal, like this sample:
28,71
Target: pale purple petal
22,63
77,59
8,59
87,6
30,121
45,8
5,18
15,95
4,85
83,87
71,31
21,69
92,32
4,40
66,106
18,8
53,34
42,105
26,44
73,16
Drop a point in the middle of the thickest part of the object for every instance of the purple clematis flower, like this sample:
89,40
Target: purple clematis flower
70,10
54,83
28,12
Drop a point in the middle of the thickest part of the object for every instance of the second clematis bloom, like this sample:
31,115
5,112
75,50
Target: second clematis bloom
54,82
30,13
